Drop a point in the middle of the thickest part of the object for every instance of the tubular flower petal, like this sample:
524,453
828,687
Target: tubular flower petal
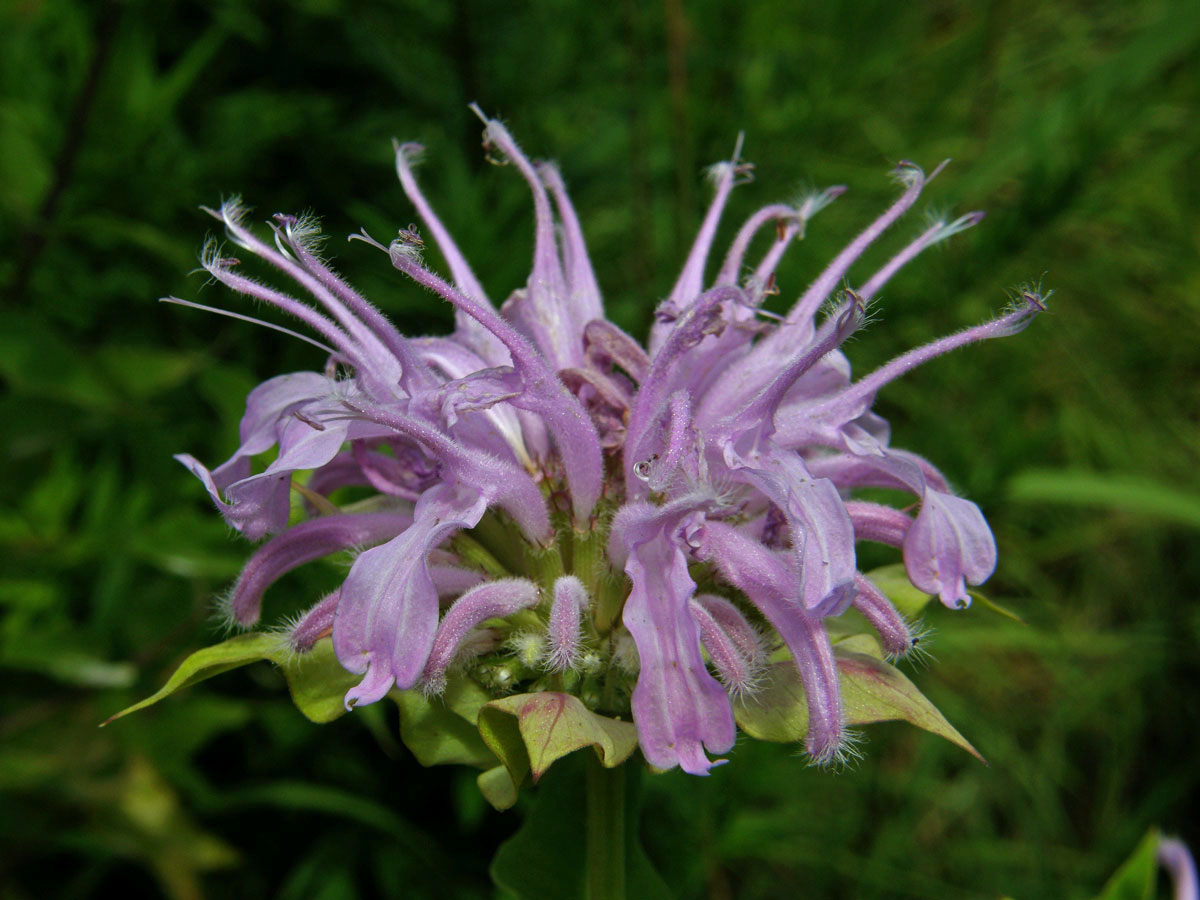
470,332
493,600
303,543
566,618
735,654
894,632
544,491
679,708
725,176
313,625
388,613
878,523
949,544
766,579
746,638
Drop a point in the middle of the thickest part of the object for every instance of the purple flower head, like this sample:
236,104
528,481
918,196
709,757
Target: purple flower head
648,525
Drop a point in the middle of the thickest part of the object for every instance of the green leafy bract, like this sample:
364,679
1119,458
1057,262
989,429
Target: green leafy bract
911,601
872,691
204,664
497,788
441,730
529,732
893,581
316,680
318,683
996,607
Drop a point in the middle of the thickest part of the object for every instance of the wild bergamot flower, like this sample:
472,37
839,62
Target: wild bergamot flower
558,507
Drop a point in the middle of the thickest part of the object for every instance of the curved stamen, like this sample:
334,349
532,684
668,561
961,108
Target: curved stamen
550,317
222,270
691,280
935,234
460,270
783,215
371,346
865,388
808,304
414,376
253,321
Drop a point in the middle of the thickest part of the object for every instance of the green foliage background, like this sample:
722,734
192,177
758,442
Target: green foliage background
1073,123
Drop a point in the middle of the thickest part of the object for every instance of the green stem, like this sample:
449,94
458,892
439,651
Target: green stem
605,865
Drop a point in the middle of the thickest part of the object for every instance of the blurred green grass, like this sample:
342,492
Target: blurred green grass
1073,123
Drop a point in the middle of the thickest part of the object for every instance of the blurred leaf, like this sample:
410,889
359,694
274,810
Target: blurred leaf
25,172
1127,493
50,502
133,233
28,593
188,543
173,85
182,728
293,796
70,667
142,372
1135,879
872,691
174,847
36,360
22,769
